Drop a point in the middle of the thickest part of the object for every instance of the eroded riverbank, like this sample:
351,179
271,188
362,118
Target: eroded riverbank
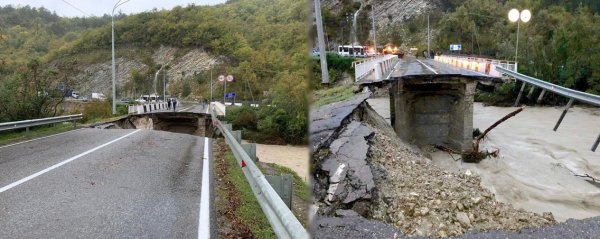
536,166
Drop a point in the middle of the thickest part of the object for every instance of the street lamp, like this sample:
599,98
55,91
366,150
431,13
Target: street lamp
112,19
514,15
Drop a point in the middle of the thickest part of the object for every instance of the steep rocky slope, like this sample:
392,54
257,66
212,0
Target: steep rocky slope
389,12
98,77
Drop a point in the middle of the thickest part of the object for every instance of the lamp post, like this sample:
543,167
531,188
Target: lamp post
112,19
514,16
374,31
225,79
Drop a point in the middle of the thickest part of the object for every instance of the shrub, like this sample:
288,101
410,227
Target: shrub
95,110
243,117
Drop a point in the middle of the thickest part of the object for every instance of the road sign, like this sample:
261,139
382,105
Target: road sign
455,47
230,95
221,78
230,78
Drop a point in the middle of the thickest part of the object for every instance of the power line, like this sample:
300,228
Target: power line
84,13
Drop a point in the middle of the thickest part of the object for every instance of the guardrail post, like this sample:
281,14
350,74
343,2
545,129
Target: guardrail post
530,92
539,100
520,94
250,150
26,129
237,134
283,187
227,126
596,144
562,116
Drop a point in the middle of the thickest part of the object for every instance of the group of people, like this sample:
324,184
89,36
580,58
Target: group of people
172,103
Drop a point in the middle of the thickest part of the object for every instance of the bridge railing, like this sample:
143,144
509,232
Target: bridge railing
378,66
146,108
481,65
281,218
573,95
36,122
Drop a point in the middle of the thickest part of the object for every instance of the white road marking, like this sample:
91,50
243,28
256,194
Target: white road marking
392,71
428,67
204,219
12,185
6,146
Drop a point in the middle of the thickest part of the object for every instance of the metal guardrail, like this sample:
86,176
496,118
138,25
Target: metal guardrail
281,218
566,92
377,65
35,122
573,95
481,65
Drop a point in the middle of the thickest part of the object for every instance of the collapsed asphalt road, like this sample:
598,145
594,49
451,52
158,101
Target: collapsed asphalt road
410,195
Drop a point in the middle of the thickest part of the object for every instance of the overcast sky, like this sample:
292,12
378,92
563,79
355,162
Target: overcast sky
101,7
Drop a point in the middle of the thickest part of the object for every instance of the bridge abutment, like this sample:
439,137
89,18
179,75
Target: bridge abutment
433,109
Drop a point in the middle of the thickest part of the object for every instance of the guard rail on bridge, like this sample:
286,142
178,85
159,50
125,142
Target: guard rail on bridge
282,220
481,65
146,108
35,122
375,65
573,95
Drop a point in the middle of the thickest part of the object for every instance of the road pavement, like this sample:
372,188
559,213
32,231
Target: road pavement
195,108
94,183
411,66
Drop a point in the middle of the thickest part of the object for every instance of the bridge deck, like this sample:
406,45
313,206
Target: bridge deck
411,66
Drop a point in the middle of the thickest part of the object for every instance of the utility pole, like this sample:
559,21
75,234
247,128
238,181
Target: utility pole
211,98
321,40
374,31
112,19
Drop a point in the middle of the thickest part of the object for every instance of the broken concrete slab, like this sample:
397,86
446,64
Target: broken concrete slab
350,178
328,118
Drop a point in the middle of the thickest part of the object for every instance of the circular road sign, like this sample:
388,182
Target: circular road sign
221,78
230,78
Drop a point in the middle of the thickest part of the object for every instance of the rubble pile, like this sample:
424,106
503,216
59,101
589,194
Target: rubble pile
421,199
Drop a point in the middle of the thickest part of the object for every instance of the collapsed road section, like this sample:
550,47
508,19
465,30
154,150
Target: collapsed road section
370,183
176,122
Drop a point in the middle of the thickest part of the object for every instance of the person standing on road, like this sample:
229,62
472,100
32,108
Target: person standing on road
174,104
169,104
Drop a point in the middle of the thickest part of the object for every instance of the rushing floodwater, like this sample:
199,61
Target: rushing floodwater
536,167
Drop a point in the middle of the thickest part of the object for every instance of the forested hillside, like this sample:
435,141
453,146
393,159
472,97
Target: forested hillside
560,44
262,43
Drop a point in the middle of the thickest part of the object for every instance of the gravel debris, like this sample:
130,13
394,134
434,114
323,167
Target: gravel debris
421,199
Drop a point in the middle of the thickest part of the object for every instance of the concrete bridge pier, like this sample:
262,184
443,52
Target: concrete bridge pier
434,109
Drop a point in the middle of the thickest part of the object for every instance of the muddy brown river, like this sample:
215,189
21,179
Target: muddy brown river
536,167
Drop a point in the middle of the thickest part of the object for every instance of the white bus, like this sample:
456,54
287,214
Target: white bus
354,51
